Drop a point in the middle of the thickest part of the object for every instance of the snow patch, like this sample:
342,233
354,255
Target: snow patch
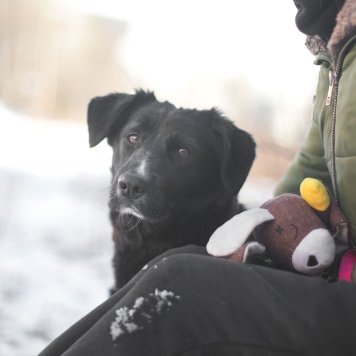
55,235
144,312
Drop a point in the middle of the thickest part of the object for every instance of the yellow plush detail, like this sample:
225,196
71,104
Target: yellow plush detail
315,194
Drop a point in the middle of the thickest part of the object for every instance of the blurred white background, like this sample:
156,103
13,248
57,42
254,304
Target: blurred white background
245,57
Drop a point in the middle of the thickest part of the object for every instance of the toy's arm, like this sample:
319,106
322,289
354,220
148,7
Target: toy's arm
340,226
233,234
248,249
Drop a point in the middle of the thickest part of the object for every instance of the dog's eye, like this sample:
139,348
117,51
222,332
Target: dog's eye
183,152
134,139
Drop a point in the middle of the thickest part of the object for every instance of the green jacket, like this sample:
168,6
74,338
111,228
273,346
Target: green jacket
328,151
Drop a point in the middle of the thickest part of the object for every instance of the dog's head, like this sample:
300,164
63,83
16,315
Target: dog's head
168,161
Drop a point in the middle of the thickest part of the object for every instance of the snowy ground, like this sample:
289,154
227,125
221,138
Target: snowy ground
55,246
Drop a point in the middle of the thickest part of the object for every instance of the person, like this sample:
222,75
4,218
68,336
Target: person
329,149
188,303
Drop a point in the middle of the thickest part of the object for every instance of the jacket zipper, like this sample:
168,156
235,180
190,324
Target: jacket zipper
333,91
334,76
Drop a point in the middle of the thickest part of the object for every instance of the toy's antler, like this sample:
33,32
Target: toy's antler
316,195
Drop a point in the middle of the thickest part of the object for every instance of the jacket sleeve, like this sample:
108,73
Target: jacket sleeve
308,162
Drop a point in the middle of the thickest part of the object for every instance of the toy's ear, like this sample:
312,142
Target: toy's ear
248,249
233,234
107,113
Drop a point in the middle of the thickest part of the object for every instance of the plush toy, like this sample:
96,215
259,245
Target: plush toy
301,233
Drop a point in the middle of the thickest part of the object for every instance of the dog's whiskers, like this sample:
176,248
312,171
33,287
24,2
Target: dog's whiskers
127,219
138,221
175,211
132,218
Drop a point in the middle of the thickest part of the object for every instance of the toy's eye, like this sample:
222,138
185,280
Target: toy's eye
296,231
134,139
279,230
183,152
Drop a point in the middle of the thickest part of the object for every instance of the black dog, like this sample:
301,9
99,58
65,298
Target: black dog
175,174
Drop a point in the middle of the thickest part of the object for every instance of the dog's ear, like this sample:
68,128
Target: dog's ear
236,150
107,113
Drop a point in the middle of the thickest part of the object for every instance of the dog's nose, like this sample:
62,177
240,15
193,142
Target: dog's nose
131,186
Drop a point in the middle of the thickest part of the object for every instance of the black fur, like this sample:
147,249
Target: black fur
162,196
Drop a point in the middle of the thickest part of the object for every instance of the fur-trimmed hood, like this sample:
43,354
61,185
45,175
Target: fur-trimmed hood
345,28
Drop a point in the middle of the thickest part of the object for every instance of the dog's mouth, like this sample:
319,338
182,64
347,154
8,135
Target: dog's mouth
152,213
130,212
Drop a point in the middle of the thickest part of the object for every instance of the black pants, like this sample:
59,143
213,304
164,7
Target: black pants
187,303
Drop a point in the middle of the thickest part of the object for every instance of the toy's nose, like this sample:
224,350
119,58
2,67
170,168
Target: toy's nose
314,253
312,261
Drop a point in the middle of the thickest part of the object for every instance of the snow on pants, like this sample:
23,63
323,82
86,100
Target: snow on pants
188,303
